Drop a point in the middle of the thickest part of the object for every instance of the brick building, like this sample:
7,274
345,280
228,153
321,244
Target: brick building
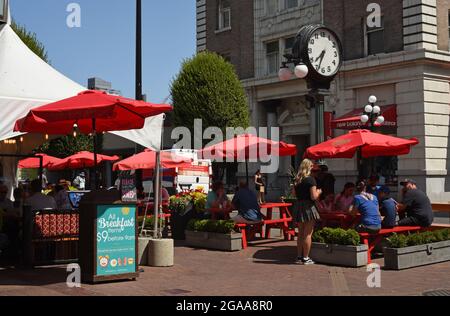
405,63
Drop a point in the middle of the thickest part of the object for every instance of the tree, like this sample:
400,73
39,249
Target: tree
30,39
208,88
66,146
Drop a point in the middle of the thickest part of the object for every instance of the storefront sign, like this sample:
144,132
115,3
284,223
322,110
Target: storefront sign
116,240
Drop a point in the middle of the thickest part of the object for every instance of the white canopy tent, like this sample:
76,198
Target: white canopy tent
26,82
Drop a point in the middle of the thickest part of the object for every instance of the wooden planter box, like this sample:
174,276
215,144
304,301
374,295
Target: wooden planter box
225,242
409,257
347,256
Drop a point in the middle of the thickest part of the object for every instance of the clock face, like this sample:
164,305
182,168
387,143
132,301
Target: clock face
324,52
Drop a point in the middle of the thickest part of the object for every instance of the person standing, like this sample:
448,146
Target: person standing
260,187
80,181
306,213
416,205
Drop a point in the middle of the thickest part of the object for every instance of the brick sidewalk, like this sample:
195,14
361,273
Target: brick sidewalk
264,269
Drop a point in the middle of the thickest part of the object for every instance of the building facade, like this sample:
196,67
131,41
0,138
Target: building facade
404,61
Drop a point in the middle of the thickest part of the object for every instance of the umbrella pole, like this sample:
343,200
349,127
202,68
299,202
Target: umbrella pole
41,169
246,171
156,190
94,139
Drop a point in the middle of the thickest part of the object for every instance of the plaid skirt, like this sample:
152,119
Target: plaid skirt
305,211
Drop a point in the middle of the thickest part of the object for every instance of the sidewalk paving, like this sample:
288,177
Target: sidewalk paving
264,269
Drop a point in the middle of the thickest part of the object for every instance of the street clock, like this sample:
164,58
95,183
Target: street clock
320,49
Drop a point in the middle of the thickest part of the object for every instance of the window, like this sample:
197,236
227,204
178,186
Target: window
291,4
374,39
271,7
224,14
273,57
3,10
289,43
449,30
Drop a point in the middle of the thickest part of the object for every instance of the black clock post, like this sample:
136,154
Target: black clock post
317,57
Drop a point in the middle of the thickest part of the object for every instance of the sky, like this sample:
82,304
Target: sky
104,45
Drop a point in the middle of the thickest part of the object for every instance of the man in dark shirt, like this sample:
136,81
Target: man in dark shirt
246,203
388,207
326,181
373,186
416,204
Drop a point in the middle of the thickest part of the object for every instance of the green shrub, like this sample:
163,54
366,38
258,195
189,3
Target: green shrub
337,236
150,222
417,239
398,241
210,226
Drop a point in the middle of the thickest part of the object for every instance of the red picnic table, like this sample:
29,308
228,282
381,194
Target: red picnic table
345,220
269,222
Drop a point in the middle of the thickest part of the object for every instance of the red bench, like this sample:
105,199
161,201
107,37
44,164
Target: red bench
378,237
282,223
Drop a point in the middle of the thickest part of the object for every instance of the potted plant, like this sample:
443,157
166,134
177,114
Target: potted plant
408,251
210,234
184,207
339,247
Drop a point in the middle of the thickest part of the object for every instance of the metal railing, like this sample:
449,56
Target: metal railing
50,237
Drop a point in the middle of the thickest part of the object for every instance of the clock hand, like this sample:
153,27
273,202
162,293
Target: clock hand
320,56
321,60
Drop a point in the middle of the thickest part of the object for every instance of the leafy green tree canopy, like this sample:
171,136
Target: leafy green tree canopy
30,39
208,88
66,146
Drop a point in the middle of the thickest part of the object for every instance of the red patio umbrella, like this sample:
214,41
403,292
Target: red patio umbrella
248,147
110,113
81,160
92,112
147,160
34,162
371,145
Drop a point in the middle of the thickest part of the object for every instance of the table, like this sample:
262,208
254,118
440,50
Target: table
282,222
345,220
216,212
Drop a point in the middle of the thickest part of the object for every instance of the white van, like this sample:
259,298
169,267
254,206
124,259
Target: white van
196,177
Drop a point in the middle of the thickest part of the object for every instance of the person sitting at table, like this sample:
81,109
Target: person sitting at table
344,200
62,197
327,205
246,202
38,201
217,199
366,204
165,196
388,207
373,185
416,204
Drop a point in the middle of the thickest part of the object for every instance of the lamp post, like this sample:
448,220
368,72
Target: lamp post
372,114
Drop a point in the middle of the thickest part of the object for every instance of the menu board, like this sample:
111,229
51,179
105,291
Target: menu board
116,240
128,188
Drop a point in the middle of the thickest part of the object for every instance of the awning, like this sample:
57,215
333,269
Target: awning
352,120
